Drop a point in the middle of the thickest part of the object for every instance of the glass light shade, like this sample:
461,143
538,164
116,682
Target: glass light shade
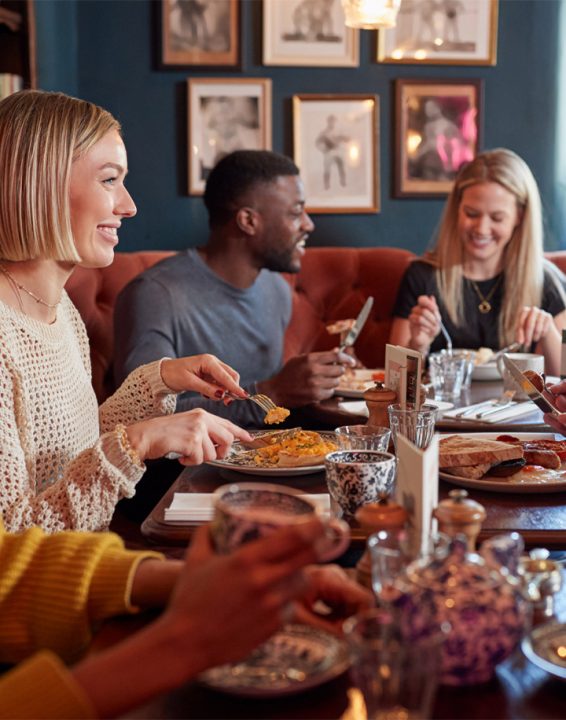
371,14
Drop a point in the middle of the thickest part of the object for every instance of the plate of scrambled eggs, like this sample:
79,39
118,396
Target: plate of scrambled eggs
284,452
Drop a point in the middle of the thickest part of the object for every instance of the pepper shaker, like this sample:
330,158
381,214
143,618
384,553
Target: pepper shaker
378,398
460,515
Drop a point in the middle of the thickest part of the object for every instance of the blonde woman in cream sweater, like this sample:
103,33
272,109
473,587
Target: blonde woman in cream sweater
65,462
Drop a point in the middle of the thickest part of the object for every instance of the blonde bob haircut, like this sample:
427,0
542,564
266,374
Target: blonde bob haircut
524,262
41,135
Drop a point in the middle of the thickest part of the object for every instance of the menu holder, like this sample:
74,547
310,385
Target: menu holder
403,374
417,485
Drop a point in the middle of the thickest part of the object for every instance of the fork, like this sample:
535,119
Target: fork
504,401
264,402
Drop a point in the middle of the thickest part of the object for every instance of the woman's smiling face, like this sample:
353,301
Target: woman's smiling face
487,217
99,200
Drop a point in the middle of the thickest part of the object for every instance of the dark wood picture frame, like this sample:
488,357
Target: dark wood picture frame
438,127
202,33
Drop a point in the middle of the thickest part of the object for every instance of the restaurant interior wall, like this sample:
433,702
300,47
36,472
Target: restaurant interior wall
106,51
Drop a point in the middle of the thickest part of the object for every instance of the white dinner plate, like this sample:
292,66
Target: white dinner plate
355,382
296,658
241,460
535,481
541,645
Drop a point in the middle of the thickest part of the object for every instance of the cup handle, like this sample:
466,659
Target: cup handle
336,540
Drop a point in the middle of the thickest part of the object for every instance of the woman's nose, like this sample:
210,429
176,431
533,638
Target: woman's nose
126,206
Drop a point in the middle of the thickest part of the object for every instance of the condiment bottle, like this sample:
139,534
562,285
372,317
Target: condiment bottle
460,515
382,515
378,398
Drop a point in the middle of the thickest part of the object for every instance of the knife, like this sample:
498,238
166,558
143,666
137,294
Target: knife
527,387
356,328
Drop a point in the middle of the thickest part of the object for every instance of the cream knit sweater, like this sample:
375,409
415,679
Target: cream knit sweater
56,468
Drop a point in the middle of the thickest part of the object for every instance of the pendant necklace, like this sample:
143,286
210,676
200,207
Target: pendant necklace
19,286
484,306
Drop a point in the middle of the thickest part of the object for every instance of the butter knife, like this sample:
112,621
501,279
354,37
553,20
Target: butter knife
527,387
356,328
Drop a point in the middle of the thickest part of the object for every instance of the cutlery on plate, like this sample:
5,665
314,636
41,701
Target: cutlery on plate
504,401
474,408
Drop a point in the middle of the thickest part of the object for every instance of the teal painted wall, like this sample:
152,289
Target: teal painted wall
105,51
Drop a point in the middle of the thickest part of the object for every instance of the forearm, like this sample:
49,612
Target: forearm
551,347
129,674
153,582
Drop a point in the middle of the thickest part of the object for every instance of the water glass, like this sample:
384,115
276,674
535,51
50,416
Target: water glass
396,671
470,362
447,372
363,437
417,425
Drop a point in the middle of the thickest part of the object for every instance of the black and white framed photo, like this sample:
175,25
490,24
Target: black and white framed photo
336,141
308,32
225,114
442,32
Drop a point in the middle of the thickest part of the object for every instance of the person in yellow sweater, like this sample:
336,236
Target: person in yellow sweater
55,590
65,462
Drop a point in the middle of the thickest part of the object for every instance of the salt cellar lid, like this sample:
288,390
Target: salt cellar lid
459,514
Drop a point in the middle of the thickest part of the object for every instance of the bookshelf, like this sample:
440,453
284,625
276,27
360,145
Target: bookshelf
17,46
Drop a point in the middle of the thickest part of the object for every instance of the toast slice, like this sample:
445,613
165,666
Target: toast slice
462,451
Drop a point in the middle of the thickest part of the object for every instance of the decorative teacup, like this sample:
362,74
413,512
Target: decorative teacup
248,511
358,477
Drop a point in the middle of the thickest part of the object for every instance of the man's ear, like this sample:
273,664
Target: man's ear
247,220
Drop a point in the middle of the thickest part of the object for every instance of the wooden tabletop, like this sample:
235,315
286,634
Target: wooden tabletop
519,690
541,519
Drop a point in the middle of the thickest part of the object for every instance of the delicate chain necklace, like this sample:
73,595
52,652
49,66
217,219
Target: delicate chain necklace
37,299
484,305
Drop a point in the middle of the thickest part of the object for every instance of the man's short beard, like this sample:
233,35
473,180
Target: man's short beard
282,263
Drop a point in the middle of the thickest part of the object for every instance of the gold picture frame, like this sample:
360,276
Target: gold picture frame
438,128
204,33
456,32
225,114
336,141
304,33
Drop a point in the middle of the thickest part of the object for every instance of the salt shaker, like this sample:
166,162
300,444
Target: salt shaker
460,515
378,398
382,515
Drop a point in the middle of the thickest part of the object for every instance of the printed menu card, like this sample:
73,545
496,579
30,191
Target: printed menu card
403,373
417,484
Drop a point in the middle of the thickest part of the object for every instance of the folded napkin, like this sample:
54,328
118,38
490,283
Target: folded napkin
356,407
507,413
197,507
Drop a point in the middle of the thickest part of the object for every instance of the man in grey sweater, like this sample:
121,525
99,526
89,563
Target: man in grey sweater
228,298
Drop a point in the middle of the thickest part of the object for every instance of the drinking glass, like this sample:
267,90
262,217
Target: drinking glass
470,362
363,437
395,669
447,372
416,425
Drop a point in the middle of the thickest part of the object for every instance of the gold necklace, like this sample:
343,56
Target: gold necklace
37,299
484,305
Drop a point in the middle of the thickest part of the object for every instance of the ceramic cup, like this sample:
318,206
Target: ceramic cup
396,669
363,437
524,361
249,511
358,477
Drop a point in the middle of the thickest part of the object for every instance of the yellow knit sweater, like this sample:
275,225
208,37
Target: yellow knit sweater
53,592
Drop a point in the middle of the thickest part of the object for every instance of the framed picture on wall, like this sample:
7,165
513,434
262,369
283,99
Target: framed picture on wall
336,140
437,128
308,32
225,114
200,32
451,32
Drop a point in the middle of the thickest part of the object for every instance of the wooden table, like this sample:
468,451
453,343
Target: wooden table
519,691
541,519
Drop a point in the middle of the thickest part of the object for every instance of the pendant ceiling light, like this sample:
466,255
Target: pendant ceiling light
371,14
